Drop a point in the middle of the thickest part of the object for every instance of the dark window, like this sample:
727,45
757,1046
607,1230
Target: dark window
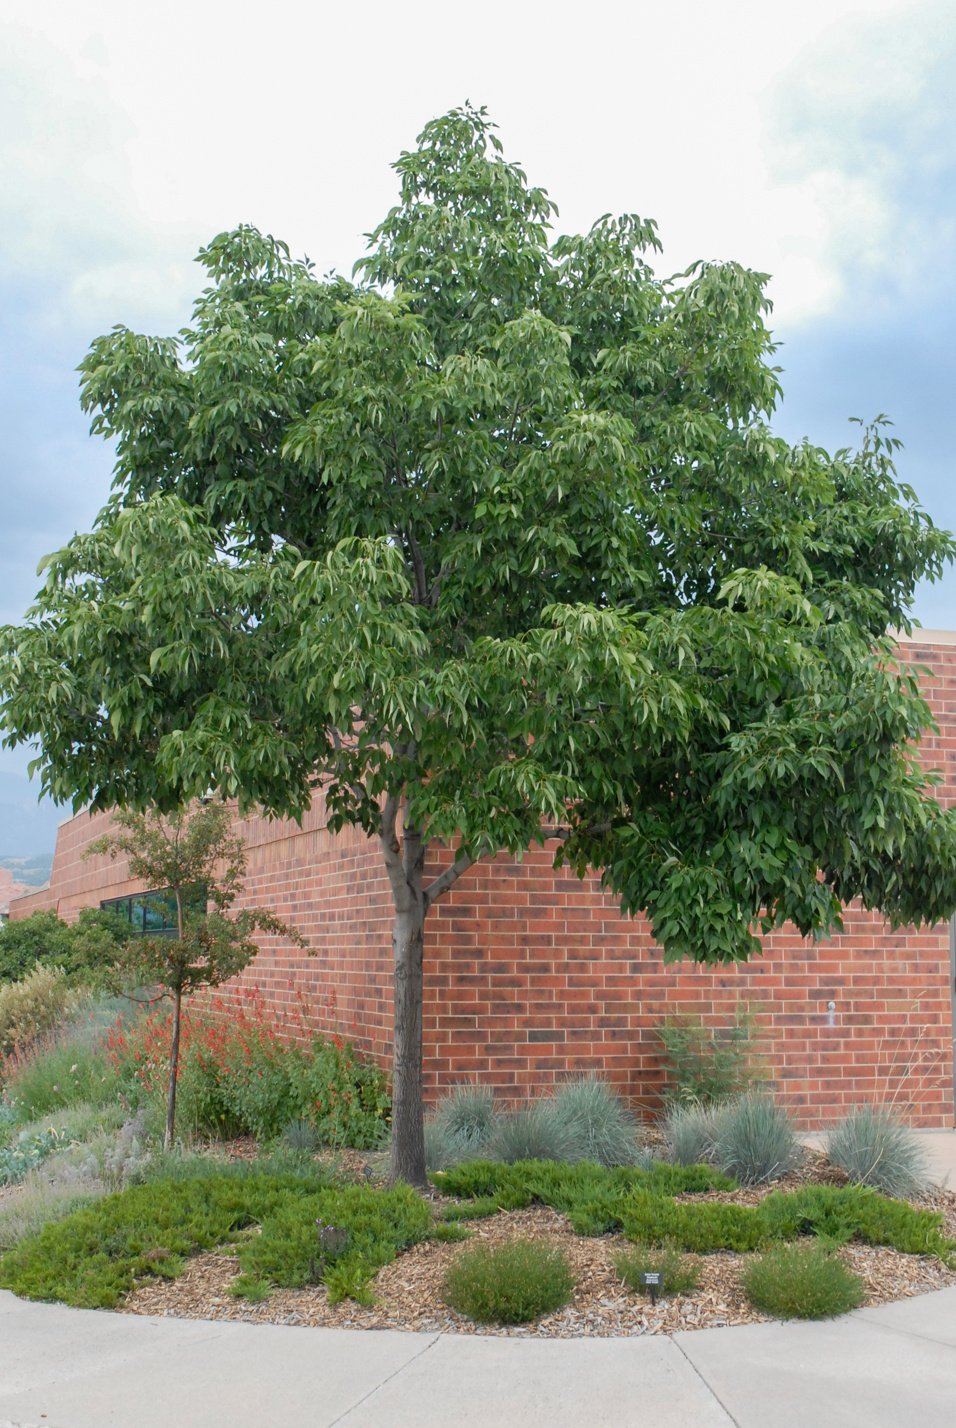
154,913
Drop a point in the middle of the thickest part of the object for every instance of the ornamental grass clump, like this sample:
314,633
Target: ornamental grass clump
460,1127
802,1282
600,1126
64,1069
689,1134
875,1148
533,1132
511,1284
753,1140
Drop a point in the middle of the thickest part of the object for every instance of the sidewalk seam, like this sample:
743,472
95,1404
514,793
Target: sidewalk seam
895,1329
709,1387
394,1374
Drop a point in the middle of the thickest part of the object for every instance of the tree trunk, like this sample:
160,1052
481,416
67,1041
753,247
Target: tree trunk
173,1070
408,1140
405,861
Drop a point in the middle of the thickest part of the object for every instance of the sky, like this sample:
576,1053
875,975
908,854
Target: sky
815,142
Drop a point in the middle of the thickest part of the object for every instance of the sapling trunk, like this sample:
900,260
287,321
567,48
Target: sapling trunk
173,1070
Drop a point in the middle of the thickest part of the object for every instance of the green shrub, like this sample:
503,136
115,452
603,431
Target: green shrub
345,1098
592,1196
594,1217
688,1133
600,1126
33,1006
700,1227
666,1179
378,1223
94,1256
532,1132
825,1211
834,1214
802,1282
510,1284
561,1185
477,1209
475,1179
875,1148
84,950
704,1065
679,1275
753,1139
447,1232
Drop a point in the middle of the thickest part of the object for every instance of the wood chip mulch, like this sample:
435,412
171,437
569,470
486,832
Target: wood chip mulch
409,1294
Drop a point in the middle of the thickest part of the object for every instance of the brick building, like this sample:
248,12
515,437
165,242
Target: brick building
531,974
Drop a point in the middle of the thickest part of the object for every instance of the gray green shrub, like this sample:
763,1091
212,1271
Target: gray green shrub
875,1148
510,1284
467,1111
802,1282
25,1152
40,1201
679,1275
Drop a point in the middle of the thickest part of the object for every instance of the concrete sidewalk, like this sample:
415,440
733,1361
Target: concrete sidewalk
72,1368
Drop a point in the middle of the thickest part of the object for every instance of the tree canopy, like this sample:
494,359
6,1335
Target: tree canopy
496,541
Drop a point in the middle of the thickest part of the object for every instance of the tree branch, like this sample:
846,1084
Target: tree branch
447,878
421,580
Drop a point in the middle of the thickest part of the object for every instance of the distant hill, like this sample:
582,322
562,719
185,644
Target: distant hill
32,872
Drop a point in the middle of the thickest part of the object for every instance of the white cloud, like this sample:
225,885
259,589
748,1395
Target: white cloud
148,128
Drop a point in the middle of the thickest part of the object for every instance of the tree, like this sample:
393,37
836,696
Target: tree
196,860
496,544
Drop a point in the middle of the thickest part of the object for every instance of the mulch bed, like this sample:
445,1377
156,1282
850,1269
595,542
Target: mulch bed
409,1291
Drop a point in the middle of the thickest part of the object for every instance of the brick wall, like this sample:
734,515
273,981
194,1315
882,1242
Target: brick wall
531,974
